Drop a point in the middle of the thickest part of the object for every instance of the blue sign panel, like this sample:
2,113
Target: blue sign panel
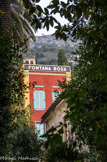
47,68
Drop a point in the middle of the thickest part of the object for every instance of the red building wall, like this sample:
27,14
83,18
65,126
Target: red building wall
48,80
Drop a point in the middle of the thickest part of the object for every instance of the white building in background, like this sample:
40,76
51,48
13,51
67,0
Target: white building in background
30,60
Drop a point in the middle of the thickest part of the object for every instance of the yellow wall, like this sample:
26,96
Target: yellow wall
26,92
68,76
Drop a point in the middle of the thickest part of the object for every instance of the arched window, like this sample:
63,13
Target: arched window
31,62
26,62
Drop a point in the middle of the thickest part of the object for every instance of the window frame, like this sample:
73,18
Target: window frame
40,127
38,100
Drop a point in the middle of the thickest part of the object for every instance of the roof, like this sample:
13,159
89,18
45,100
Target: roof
28,57
50,109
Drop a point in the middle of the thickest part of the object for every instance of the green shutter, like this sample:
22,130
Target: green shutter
39,100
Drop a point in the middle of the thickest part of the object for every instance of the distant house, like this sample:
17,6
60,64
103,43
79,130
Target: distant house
30,60
56,114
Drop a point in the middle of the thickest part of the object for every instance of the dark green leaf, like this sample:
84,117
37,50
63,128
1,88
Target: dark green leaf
37,1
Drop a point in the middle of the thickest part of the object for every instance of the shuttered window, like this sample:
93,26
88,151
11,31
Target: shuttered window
39,100
40,129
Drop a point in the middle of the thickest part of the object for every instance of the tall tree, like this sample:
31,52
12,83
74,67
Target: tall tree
21,20
21,14
86,95
62,60
5,14
10,82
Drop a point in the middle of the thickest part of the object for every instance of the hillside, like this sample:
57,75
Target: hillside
46,48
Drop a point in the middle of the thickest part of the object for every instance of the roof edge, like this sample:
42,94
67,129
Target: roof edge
50,109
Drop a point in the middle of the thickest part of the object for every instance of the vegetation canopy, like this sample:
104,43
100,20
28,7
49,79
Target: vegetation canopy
86,93
16,125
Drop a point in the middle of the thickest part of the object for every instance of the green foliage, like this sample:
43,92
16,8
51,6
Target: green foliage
86,98
59,151
10,91
22,20
24,142
86,94
62,60
17,136
34,12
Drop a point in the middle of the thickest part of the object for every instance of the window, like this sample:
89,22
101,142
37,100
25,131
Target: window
31,62
55,94
26,62
39,100
40,128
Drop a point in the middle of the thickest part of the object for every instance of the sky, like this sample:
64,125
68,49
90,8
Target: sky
40,32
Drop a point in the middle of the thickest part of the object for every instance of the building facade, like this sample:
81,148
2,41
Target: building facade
43,81
55,115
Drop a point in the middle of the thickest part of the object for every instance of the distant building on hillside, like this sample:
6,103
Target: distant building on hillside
43,81
30,60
